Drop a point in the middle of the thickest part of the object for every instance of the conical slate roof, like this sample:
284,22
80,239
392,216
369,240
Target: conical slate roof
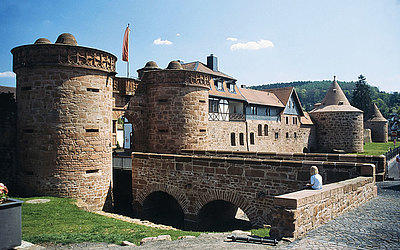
375,115
335,100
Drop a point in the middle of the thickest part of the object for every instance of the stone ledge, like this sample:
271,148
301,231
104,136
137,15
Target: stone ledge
308,196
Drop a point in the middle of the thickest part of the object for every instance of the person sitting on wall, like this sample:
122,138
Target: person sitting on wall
316,179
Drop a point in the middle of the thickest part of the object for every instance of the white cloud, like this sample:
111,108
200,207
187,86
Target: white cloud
178,34
7,74
262,44
158,41
233,39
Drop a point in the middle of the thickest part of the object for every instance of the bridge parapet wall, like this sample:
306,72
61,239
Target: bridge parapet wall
248,183
299,212
378,160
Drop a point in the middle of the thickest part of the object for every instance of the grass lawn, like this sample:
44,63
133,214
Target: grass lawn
374,148
61,221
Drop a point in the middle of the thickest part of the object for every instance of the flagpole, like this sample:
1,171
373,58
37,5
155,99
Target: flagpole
127,69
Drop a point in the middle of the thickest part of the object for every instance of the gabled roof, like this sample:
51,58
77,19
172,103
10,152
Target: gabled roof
199,66
284,95
374,115
335,100
261,97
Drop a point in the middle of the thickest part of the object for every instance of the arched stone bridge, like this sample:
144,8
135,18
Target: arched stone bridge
193,182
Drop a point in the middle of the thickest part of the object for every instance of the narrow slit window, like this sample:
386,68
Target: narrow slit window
92,130
241,139
259,130
93,90
92,171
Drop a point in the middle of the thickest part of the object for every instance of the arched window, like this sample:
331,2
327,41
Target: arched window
295,135
259,130
241,139
287,120
287,134
233,139
265,130
252,138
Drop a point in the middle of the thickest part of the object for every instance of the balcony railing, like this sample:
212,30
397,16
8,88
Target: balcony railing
237,117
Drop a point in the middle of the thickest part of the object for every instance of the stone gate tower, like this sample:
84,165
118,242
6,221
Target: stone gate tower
339,125
177,107
64,119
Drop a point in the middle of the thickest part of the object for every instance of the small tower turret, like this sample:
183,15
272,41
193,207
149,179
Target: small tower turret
378,124
339,125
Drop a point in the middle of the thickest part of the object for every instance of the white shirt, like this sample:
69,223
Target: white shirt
316,181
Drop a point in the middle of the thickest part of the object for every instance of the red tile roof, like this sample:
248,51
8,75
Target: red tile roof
261,97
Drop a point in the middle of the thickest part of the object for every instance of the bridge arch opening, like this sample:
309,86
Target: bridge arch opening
220,215
161,208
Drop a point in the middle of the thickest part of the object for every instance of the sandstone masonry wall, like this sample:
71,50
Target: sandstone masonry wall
64,121
379,130
378,160
279,137
177,110
248,183
299,212
339,131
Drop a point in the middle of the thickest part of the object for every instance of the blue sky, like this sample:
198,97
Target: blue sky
256,42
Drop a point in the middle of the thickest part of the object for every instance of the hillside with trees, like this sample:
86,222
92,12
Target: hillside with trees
311,92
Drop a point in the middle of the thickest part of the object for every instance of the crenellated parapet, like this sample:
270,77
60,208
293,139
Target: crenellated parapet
40,54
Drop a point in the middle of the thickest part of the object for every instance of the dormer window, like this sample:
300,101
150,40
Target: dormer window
220,87
231,87
218,83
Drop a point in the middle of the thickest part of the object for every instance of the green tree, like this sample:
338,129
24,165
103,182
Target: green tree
362,95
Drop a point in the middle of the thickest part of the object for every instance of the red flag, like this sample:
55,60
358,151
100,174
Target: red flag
125,45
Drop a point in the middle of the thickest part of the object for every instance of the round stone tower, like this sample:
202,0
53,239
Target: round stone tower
339,126
177,107
378,125
64,102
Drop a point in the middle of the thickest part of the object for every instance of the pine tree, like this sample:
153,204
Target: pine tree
362,95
